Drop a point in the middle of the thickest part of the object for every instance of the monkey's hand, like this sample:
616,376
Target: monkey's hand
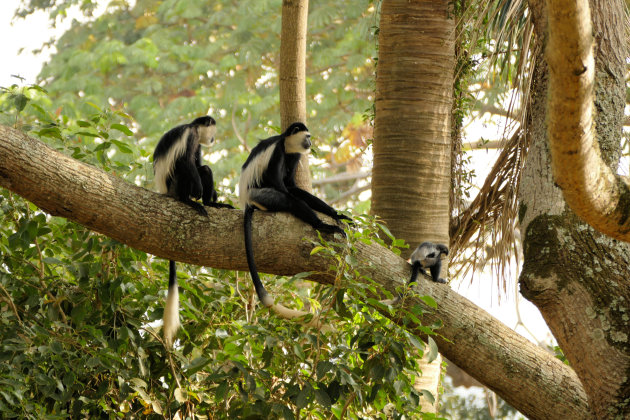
326,228
220,205
341,217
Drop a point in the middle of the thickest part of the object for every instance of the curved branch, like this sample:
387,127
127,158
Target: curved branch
596,194
488,350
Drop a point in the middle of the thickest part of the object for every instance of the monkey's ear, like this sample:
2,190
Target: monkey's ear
296,130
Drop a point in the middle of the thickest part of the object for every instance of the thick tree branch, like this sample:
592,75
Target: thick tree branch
492,353
592,190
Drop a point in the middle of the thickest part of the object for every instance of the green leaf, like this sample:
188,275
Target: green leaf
340,306
221,391
323,367
322,397
20,100
299,352
180,395
316,250
429,301
122,146
428,396
304,396
433,350
122,128
386,230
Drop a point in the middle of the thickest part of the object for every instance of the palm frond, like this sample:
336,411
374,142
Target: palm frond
486,230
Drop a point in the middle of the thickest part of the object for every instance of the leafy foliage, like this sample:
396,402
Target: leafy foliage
81,315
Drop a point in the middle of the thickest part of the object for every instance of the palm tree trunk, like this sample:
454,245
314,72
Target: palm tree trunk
412,127
412,131
293,74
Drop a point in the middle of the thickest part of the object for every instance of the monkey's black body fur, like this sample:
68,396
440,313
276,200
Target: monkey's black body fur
179,173
268,183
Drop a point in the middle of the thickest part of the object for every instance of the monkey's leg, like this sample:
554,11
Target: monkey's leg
274,200
209,194
181,190
316,203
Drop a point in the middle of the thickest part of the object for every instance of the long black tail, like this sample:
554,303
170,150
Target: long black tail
171,310
263,296
172,274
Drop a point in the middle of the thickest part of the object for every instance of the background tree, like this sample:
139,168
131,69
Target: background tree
576,276
591,188
292,75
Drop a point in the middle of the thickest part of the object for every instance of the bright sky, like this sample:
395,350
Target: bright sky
31,33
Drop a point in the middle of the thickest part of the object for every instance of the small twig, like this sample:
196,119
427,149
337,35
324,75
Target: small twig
238,135
345,406
10,302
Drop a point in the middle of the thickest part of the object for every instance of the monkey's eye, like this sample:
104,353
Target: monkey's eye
431,255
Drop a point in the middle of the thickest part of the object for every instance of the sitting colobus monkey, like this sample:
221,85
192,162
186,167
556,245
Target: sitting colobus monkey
426,255
180,174
268,183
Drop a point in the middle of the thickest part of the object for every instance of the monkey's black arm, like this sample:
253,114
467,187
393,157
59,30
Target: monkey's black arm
316,203
435,271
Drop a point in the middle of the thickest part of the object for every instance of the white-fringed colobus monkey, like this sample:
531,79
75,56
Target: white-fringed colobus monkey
180,174
177,164
268,183
427,255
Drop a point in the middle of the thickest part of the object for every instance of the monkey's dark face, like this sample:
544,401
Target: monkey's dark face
297,139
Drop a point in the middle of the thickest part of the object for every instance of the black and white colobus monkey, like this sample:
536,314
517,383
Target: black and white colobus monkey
268,183
427,255
177,164
180,174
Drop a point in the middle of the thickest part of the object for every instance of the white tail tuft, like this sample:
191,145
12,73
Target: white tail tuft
287,313
171,315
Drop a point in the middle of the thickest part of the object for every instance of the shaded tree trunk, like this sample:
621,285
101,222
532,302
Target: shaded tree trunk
412,126
504,361
589,185
577,277
292,74
412,135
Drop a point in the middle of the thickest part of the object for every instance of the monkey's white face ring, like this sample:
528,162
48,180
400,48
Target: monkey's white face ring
206,134
299,142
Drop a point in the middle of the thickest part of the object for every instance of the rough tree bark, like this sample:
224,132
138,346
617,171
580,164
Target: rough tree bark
576,276
504,361
590,186
292,75
412,132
